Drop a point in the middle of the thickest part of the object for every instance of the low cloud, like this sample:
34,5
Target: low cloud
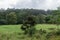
36,4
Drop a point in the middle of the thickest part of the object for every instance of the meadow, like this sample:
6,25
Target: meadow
13,32
16,28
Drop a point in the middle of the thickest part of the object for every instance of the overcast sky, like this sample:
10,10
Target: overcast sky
36,4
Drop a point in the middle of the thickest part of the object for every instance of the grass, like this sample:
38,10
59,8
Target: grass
16,28
12,32
46,26
10,28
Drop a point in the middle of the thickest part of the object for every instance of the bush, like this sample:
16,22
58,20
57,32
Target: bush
3,21
51,28
31,31
58,32
49,35
29,25
42,31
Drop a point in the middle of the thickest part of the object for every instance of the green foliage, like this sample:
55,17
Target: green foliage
11,18
42,31
13,32
28,25
56,14
42,16
3,21
58,32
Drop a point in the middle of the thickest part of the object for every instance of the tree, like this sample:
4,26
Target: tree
11,18
56,14
41,18
28,25
47,19
3,22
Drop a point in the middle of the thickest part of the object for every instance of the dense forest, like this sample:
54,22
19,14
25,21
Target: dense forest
17,16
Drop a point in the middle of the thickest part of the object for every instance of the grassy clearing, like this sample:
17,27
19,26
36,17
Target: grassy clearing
46,26
16,28
10,28
13,32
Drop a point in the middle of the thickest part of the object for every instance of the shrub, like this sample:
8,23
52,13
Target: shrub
2,22
51,28
31,31
58,32
29,25
48,35
42,31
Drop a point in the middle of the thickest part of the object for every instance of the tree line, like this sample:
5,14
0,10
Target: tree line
17,16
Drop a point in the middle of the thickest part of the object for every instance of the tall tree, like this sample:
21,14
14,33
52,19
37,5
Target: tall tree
28,25
11,18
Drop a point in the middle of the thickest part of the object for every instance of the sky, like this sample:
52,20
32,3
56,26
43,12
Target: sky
36,4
